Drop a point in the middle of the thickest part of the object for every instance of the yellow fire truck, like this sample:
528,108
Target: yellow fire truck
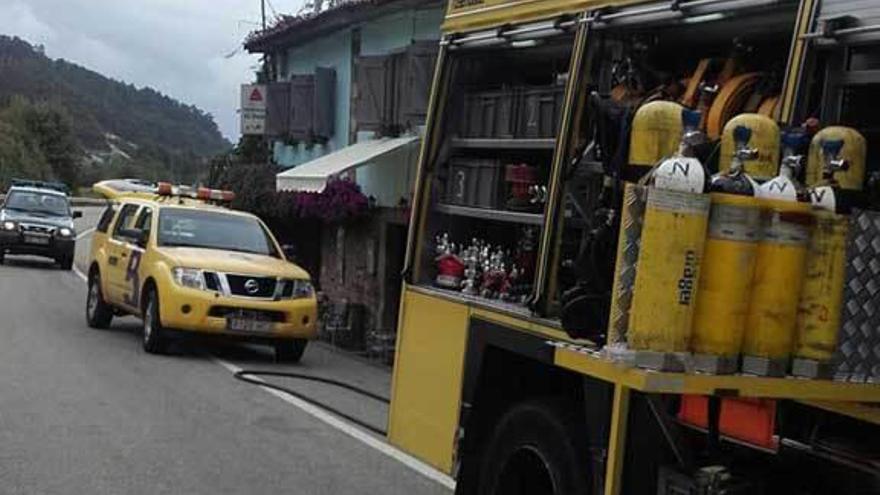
575,321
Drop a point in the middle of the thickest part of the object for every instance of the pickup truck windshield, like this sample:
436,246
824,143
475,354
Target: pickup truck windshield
36,202
213,230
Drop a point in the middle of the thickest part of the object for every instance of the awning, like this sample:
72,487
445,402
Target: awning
313,176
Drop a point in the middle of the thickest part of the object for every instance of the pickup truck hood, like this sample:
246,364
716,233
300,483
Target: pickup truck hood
233,262
36,218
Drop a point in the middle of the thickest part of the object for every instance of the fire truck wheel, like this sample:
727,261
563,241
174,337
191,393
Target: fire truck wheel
536,449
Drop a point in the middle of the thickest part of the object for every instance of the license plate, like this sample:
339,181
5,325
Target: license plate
248,325
33,239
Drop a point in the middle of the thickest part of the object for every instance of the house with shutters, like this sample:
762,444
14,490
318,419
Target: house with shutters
347,95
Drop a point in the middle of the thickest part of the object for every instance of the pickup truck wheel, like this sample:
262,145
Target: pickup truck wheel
536,449
154,334
99,314
290,351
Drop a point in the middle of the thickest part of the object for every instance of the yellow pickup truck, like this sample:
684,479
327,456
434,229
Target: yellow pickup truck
183,262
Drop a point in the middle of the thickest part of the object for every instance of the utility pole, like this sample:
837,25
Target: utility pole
263,12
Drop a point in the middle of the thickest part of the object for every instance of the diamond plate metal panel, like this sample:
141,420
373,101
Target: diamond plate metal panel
858,352
635,198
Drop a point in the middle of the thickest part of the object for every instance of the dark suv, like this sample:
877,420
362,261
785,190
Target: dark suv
35,218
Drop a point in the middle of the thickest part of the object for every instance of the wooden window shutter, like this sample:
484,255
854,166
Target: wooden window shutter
419,73
373,92
302,102
277,104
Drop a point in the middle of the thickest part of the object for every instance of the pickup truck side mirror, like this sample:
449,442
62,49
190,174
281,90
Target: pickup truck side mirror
137,236
142,238
77,214
289,252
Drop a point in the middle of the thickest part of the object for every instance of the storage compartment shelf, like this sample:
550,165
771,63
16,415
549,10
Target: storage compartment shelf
505,143
503,306
488,214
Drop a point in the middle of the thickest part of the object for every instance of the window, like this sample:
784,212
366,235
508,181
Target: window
302,108
145,221
213,230
392,90
55,205
106,219
125,221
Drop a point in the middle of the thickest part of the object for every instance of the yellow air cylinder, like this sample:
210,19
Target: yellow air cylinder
765,138
818,319
854,152
673,236
725,283
656,133
776,286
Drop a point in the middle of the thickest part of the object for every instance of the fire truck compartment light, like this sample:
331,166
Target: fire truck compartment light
715,16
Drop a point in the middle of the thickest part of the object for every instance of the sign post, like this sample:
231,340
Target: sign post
253,109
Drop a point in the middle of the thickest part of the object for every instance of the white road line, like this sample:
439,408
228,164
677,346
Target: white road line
350,430
85,233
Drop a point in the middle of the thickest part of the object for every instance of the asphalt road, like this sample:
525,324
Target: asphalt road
86,411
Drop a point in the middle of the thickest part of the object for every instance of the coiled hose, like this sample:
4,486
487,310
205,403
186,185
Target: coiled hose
250,376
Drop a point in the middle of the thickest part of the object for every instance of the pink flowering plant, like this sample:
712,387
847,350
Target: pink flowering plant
340,200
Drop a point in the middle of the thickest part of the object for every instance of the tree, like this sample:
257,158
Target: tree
51,128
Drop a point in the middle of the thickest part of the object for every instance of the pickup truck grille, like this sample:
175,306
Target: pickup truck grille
243,285
37,229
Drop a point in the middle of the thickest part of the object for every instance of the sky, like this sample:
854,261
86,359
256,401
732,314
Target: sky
178,47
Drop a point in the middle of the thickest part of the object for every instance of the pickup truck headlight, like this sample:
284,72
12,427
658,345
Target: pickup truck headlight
65,232
8,225
192,278
302,289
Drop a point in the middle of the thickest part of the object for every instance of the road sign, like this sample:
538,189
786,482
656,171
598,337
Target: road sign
253,109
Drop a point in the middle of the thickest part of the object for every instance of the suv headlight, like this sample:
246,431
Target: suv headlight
8,225
189,277
65,232
301,289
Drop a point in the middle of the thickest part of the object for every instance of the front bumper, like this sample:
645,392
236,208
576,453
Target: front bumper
13,242
207,312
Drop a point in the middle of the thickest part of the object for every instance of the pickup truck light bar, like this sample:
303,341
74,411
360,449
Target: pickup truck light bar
202,193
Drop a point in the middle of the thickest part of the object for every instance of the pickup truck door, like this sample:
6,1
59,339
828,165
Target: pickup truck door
134,253
118,251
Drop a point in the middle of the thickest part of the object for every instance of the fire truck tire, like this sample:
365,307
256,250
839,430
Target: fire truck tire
537,448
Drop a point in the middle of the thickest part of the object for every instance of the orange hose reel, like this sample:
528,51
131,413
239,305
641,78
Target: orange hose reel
729,102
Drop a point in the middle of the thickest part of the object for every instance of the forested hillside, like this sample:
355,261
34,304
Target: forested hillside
60,120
